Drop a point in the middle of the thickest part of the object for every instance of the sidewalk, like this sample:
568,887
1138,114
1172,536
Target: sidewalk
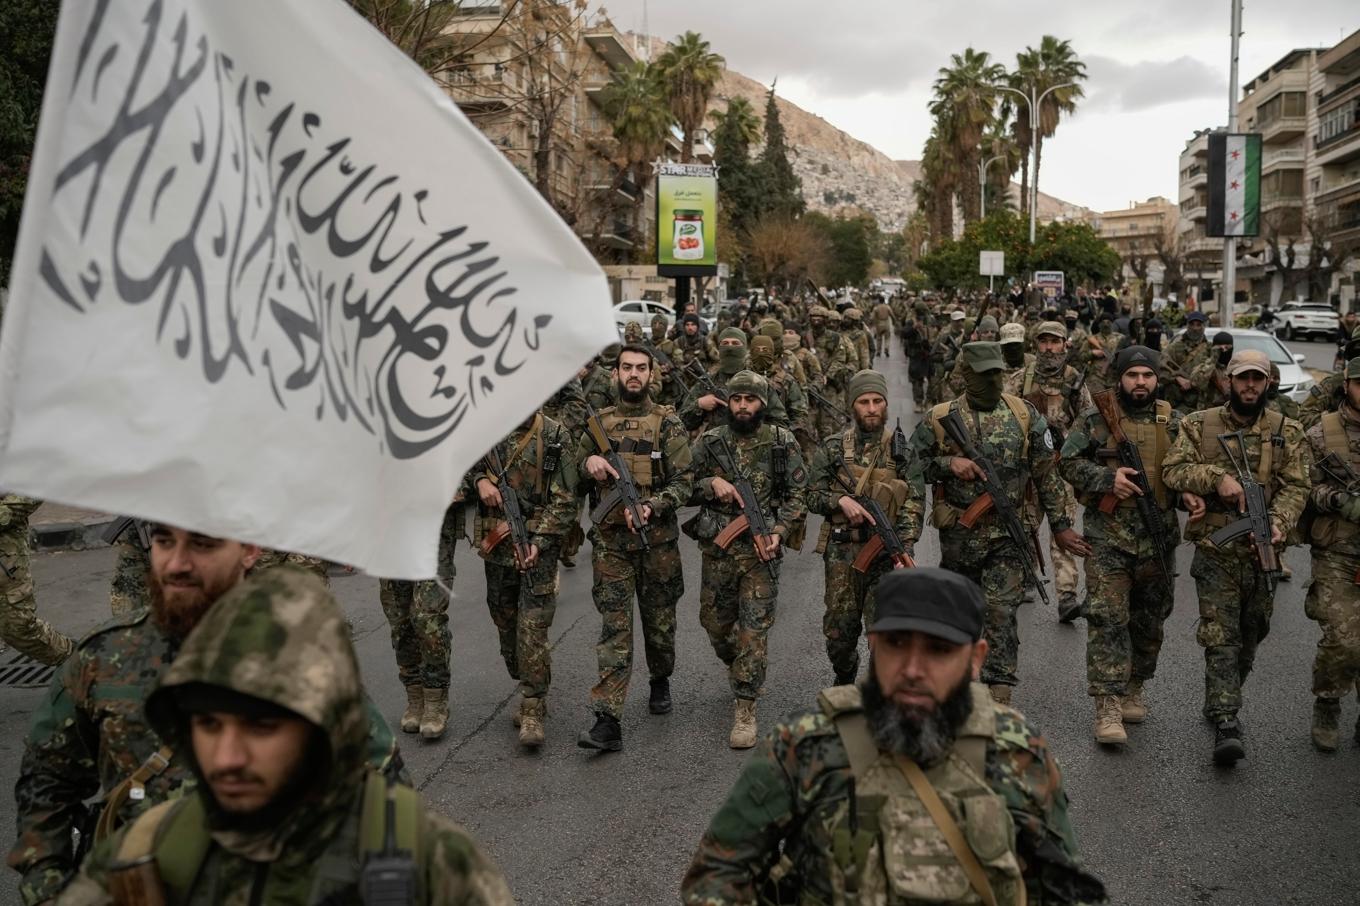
57,527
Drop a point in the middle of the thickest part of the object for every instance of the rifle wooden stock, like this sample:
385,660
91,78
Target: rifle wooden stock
976,510
735,529
870,552
495,537
137,883
1109,503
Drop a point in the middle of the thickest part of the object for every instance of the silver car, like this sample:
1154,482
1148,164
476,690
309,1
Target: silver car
1295,381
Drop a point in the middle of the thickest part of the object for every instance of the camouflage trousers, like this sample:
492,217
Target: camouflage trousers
20,626
1064,564
1334,602
655,578
522,606
1234,617
736,608
995,565
1128,601
127,591
849,604
418,613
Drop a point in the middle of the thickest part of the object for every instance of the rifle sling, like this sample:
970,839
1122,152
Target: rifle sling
949,829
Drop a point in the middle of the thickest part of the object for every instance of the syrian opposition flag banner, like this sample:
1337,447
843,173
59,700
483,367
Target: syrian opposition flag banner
1234,185
272,285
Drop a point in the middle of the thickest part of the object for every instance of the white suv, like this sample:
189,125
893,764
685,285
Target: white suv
1302,319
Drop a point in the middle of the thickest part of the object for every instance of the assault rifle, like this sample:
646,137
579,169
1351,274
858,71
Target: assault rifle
827,405
701,378
885,536
751,518
899,449
1256,522
625,490
1340,471
1148,509
994,496
514,526
115,529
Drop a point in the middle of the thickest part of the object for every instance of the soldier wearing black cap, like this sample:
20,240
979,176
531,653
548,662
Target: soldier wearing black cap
1209,379
1129,595
1182,357
873,783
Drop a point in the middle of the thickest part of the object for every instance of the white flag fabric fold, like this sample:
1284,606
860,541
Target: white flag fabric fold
272,285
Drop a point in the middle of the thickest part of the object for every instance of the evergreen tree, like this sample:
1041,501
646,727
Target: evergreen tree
780,189
738,182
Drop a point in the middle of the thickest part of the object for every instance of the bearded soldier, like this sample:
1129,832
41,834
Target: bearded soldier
847,468
1059,393
1236,589
1182,357
1014,438
740,581
703,408
1130,574
1328,393
690,345
860,800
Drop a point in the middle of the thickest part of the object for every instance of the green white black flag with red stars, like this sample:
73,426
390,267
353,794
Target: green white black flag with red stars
1234,185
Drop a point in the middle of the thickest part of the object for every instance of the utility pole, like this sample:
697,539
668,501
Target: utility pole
1229,295
1033,103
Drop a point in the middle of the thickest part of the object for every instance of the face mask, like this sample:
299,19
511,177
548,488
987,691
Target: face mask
731,359
1224,356
1195,332
791,343
1014,354
1154,338
1050,362
1071,323
984,390
761,361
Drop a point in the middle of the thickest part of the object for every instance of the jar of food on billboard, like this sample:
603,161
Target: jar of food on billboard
689,236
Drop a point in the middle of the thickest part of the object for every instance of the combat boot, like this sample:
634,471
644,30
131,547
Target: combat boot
531,713
743,734
605,736
415,706
1132,706
1069,608
1228,747
1001,694
659,702
434,720
1326,717
1109,722
515,715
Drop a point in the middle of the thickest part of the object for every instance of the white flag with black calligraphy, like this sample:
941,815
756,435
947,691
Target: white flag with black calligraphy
272,285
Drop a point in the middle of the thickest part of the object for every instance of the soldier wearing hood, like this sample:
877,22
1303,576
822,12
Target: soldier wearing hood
704,409
265,705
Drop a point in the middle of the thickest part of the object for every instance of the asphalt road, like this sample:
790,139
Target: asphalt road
1156,820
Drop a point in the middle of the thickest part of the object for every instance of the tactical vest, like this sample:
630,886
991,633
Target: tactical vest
887,849
1052,404
637,439
944,514
877,480
1328,529
1210,451
532,444
1153,441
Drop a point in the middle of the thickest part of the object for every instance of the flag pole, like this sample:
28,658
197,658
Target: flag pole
1229,294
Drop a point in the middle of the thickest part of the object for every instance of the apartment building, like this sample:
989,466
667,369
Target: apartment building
1333,170
1201,255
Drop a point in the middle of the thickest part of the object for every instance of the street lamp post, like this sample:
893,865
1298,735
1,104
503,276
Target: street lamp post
1034,103
982,185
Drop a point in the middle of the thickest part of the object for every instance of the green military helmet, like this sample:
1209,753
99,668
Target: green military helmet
834,318
1353,369
748,381
632,332
853,315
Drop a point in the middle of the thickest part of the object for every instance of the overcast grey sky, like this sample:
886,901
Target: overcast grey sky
1158,69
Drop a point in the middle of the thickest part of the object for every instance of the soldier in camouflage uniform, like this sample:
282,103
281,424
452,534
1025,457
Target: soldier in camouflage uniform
418,615
89,739
988,331
568,407
944,356
825,811
655,446
599,385
521,591
1279,402
1180,359
1209,379
1015,437
670,390
837,361
883,324
1328,393
765,361
691,345
1012,339
741,583
243,698
1104,344
20,626
861,457
1333,598
127,590
1059,393
1130,596
917,336
703,409
808,363
1235,604
859,337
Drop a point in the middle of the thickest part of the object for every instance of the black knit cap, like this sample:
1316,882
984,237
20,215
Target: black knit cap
1133,356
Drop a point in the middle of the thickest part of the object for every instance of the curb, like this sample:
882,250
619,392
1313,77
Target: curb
69,536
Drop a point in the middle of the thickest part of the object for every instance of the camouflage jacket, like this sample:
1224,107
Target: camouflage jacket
1090,473
568,406
859,338
14,509
669,489
810,365
691,349
1209,384
545,482
1051,394
695,418
600,388
997,435
838,358
1180,359
751,456
824,491
1324,396
89,734
791,395
946,349
1186,469
1328,491
281,637
1285,406
792,795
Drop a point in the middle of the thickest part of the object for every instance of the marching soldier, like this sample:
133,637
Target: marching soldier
944,355
705,409
1012,339
1130,575
1278,401
837,360
568,407
653,444
917,336
20,626
883,322
976,540
1209,379
1328,393
741,538
866,461
1333,599
855,331
1236,589
1182,357
690,345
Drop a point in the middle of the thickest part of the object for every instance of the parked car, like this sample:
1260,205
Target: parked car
1297,320
709,313
1295,381
642,312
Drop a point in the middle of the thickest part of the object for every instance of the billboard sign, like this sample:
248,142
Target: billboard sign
686,220
1050,283
992,264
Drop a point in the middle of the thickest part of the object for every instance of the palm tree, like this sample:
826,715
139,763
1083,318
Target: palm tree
1037,70
690,72
745,120
996,185
936,187
964,107
635,102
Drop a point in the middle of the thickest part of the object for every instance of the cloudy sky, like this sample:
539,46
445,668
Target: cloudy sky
1158,69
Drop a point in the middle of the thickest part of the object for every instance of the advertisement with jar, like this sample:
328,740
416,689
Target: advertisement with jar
686,222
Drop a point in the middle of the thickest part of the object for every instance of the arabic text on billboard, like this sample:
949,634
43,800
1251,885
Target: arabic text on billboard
686,220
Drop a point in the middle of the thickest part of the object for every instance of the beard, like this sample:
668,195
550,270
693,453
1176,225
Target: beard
923,736
632,396
288,800
1243,408
870,424
178,609
1129,401
749,425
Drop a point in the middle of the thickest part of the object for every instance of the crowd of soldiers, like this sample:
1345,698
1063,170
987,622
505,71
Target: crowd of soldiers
1030,411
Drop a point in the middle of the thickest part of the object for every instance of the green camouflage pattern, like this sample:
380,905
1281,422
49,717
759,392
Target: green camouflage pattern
1181,358
860,340
794,794
696,419
1333,598
944,356
418,613
568,406
20,626
127,590
1324,396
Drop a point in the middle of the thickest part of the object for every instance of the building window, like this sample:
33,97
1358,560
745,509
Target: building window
1286,103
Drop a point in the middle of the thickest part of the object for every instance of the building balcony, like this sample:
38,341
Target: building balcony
617,234
1282,128
487,88
1342,59
627,190
1338,193
1340,148
1196,178
1197,213
612,47
1282,159
1201,245
1278,202
1330,100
